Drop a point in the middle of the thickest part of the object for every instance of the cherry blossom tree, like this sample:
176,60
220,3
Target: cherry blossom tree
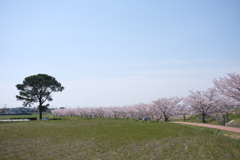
224,105
229,86
156,112
150,111
108,112
132,111
116,112
202,102
142,110
183,110
124,112
167,106
100,112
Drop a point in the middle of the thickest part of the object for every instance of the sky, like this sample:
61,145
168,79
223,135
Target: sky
117,52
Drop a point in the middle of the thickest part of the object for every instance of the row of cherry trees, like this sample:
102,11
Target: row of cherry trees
162,108
219,99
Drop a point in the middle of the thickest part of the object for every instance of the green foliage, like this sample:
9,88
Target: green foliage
38,89
99,138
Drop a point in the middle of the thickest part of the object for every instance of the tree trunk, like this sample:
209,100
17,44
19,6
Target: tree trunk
40,107
225,118
184,118
165,118
40,112
203,118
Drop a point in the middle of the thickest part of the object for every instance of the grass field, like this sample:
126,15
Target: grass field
77,138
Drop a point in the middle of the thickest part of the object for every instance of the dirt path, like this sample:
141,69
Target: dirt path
212,126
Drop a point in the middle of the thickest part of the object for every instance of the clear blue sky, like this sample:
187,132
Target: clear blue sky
117,52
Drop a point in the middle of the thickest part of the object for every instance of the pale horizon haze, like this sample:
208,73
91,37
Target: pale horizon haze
115,53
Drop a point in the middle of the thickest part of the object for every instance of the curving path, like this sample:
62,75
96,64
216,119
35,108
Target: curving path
212,126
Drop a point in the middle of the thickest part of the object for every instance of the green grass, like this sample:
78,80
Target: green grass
45,115
234,116
78,138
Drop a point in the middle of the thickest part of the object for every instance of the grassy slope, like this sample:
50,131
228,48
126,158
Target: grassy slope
209,120
76,138
236,118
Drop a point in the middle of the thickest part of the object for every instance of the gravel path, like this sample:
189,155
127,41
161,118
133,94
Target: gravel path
212,126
